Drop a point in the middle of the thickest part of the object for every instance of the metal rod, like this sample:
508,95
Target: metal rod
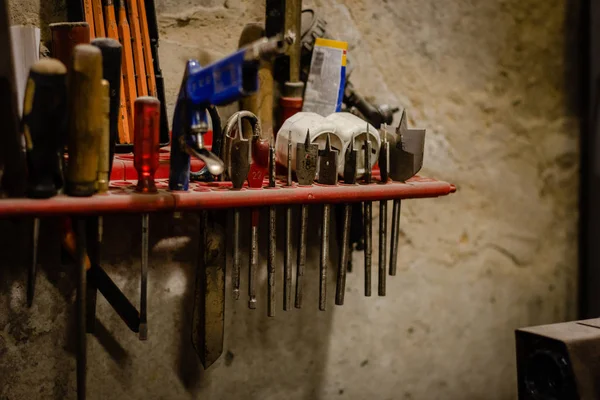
253,260
236,254
382,247
287,261
271,261
368,211
301,254
340,287
324,258
144,279
33,267
395,236
81,309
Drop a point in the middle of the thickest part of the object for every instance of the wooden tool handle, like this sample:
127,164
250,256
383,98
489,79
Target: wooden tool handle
85,124
67,35
138,54
98,18
127,71
89,16
104,153
151,79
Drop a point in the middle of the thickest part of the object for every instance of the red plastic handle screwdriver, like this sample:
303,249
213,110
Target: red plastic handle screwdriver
146,143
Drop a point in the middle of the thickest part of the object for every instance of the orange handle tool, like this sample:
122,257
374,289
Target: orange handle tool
147,49
89,16
98,18
128,71
112,31
138,54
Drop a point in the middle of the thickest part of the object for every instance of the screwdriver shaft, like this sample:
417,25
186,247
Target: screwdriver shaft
324,258
236,254
33,268
253,260
81,309
271,261
144,279
382,247
395,236
368,210
287,261
301,254
340,287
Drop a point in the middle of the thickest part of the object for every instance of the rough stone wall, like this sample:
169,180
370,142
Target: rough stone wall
489,82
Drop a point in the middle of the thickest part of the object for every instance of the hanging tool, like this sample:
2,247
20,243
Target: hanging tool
287,255
127,68
327,176
112,31
306,168
85,124
407,147
149,66
367,214
256,176
44,128
216,84
238,165
12,156
146,148
272,237
138,53
80,241
350,167
384,168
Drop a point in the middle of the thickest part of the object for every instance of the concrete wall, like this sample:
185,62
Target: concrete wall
490,82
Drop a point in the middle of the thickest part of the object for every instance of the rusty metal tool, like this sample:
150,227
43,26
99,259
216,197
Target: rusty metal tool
293,88
384,168
350,167
44,128
85,123
407,148
209,304
148,62
146,148
112,31
367,216
127,66
138,52
327,176
306,168
272,238
238,167
287,255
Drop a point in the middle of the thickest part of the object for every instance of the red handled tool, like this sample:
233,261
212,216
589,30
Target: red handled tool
146,146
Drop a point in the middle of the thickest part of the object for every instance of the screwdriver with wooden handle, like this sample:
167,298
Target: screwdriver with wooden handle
112,31
85,123
84,131
127,65
44,128
146,148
